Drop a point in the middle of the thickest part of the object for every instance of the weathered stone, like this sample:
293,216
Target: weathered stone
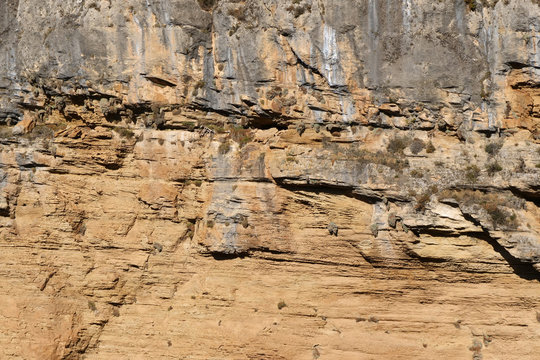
191,159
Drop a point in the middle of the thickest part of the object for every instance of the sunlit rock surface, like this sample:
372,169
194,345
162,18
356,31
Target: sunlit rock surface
269,179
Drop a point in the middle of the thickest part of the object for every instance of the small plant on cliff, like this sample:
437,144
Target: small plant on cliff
300,128
494,205
190,229
374,228
198,85
397,144
500,217
207,4
5,132
296,9
421,201
124,132
243,220
189,125
487,339
471,173
430,148
416,146
41,132
364,157
417,173
392,220
471,4
493,148
224,147
493,167
240,135
281,304
239,13
476,345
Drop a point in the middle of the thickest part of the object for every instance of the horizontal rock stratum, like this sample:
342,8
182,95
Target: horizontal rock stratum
300,179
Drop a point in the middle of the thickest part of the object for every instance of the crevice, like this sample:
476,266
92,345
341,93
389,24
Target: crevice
450,233
305,65
110,166
516,65
219,256
73,116
268,120
4,212
160,81
46,282
522,269
245,254
201,107
33,166
265,250
113,117
424,260
139,108
318,108
366,258
260,119
82,342
332,189
475,222
227,179
532,196
312,262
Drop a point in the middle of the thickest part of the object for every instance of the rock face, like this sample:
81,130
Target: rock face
306,179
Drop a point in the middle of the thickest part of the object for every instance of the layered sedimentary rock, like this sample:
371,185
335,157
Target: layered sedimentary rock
270,179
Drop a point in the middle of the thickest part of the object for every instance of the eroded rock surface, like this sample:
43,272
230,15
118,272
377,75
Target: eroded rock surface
270,179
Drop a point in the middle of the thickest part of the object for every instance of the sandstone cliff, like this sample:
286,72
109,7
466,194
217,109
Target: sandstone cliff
303,179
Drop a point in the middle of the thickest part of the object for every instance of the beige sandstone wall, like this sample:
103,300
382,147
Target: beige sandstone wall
173,175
